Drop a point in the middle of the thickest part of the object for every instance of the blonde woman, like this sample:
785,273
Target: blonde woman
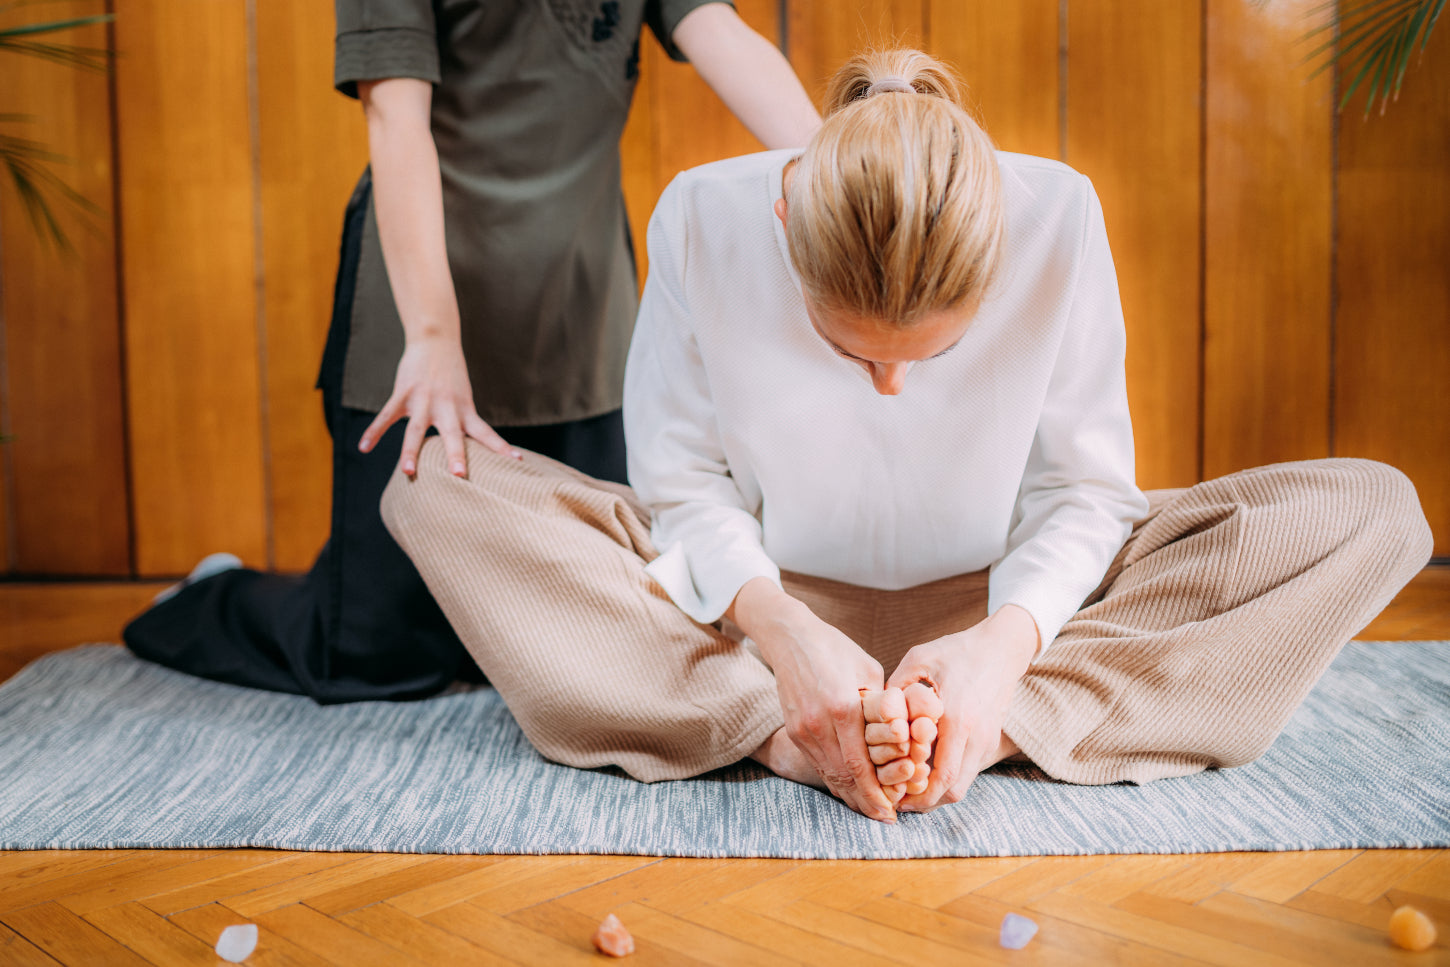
878,434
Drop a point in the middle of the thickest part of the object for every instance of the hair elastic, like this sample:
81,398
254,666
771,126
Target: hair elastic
890,85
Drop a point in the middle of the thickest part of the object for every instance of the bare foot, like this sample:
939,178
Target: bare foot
901,730
784,758
1008,751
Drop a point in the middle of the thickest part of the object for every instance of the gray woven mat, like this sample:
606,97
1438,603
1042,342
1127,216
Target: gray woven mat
100,749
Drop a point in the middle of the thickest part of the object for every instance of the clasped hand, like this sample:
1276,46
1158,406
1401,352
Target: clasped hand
820,674
976,673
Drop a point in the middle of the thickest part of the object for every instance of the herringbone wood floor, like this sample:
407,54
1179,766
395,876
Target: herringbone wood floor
168,906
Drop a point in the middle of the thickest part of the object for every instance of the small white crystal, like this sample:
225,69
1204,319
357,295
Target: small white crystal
1016,931
237,943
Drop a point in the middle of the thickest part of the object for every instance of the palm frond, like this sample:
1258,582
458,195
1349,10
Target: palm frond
43,193
53,25
1373,42
19,40
39,188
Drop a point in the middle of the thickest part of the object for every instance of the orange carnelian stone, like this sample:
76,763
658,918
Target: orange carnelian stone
611,938
1411,929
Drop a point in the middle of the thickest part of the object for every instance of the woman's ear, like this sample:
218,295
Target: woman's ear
780,211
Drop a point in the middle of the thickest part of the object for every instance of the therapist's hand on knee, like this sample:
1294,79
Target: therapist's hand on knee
432,389
819,675
976,673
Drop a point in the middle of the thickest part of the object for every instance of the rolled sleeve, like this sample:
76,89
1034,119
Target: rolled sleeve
378,39
1078,498
663,16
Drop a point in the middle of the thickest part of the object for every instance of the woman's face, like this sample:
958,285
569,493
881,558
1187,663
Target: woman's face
884,351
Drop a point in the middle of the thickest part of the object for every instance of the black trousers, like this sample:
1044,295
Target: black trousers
360,625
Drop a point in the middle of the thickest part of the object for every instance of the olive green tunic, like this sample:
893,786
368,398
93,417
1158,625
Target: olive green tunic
529,102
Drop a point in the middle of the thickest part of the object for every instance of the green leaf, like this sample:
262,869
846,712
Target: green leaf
41,190
1363,30
85,58
1369,58
1406,48
54,25
1374,41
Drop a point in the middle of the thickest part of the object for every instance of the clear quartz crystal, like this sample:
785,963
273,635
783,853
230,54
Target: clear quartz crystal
1016,931
237,943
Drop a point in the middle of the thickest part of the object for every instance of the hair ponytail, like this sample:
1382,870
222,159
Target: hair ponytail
895,207
922,74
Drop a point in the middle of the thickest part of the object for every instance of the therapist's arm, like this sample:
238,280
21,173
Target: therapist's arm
749,74
431,387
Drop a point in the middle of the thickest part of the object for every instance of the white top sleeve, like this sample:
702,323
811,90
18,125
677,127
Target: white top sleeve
1078,499
708,535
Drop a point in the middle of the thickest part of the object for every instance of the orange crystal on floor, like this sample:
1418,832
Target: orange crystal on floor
1411,929
611,938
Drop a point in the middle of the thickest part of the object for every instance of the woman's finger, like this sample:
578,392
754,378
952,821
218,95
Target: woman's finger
386,417
452,434
866,795
485,434
953,733
412,443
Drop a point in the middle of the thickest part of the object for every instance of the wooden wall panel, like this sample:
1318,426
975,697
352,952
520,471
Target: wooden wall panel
677,122
62,338
637,153
1133,127
821,36
1008,54
187,220
1268,227
312,148
1392,348
205,300
691,125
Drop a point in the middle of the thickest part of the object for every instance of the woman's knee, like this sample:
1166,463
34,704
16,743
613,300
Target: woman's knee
1349,499
408,501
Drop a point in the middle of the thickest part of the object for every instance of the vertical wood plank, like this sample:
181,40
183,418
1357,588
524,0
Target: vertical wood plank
187,224
692,126
823,35
1008,55
1392,349
62,334
1134,128
312,145
1267,231
637,155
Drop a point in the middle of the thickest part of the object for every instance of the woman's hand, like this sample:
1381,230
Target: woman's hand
819,674
976,672
432,389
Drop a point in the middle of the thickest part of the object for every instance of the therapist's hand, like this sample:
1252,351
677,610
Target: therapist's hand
819,675
976,672
432,389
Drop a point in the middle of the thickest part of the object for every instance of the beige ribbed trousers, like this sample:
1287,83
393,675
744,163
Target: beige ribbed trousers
1219,614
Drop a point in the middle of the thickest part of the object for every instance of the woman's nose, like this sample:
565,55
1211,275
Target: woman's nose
889,378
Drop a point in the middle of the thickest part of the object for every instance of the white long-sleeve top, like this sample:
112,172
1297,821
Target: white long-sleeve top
758,448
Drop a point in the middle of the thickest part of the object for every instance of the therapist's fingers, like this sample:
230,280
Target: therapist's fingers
486,435
452,435
387,416
412,443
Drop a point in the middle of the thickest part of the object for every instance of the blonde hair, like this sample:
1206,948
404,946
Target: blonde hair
895,208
